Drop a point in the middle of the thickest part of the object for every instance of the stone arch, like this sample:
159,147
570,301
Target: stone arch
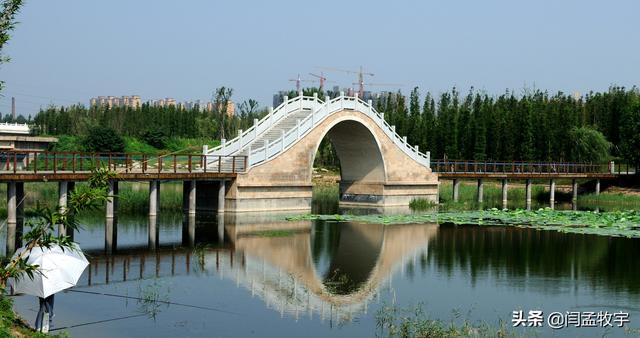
358,149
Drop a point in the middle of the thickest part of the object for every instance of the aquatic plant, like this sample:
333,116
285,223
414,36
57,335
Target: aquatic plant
614,223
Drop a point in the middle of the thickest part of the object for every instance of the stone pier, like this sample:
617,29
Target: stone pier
528,194
480,190
552,194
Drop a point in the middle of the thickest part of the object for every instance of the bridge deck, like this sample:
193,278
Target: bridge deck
36,166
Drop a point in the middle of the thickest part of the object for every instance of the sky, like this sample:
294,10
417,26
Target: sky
67,51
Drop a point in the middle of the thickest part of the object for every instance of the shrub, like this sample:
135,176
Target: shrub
155,137
103,139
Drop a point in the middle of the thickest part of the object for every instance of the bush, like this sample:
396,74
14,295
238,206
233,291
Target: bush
155,138
136,146
103,139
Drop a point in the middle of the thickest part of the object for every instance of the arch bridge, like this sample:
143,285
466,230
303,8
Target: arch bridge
378,166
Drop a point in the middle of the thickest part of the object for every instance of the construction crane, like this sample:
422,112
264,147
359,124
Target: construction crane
321,78
361,74
298,81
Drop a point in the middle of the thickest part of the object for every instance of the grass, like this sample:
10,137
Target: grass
421,204
393,321
13,326
325,198
134,196
71,143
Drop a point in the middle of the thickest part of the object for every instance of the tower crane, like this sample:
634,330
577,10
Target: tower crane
298,81
361,74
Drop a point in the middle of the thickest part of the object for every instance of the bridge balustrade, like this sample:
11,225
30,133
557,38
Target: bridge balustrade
522,167
34,162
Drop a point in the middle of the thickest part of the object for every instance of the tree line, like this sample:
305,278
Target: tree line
533,125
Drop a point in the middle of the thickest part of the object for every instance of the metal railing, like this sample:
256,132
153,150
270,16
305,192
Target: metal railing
34,162
532,167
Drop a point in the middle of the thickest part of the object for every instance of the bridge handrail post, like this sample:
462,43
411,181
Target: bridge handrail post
219,163
282,140
159,164
175,163
189,163
73,165
204,159
55,163
35,162
233,164
15,162
246,158
298,127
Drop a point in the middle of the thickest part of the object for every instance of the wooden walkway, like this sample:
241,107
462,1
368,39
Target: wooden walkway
41,166
460,169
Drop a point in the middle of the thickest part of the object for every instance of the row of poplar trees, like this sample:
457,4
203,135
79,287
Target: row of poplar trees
532,126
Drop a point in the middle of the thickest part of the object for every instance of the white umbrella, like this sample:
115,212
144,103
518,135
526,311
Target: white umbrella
58,269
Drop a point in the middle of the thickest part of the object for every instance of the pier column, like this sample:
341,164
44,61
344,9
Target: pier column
12,204
62,204
456,189
111,224
597,187
221,195
480,190
552,194
153,198
574,192
192,198
189,230
153,232
528,194
220,221
505,188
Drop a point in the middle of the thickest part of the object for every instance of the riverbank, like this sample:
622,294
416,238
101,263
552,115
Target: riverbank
11,325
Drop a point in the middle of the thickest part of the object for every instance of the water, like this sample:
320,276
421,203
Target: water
266,277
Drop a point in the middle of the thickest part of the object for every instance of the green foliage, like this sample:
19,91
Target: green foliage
155,137
68,143
588,145
134,145
615,223
421,204
630,133
103,139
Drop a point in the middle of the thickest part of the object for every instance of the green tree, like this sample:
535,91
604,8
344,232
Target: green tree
588,145
103,139
630,134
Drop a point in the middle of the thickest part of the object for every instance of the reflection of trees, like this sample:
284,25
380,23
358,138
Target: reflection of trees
514,252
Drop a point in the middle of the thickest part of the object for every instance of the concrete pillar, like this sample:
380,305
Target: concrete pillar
112,202
111,224
574,191
528,194
189,230
110,234
552,194
597,187
220,221
221,195
153,198
505,189
12,204
480,190
153,232
19,213
62,204
456,189
192,198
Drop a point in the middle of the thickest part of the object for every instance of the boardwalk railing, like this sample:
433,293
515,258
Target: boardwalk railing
519,167
34,162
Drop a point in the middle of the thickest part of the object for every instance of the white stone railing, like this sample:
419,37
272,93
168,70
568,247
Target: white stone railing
318,111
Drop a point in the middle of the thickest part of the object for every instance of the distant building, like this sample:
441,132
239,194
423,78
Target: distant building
132,101
16,136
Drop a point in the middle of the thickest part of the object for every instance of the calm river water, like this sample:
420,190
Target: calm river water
244,276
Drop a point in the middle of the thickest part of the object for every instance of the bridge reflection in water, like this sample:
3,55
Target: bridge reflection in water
330,270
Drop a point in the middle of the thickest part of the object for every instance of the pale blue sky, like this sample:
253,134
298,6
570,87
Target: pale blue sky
65,51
